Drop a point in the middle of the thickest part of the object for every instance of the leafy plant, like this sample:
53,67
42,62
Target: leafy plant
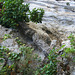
19,41
14,11
67,3
51,67
1,0
72,39
3,52
70,50
36,15
3,55
7,70
24,59
6,36
28,60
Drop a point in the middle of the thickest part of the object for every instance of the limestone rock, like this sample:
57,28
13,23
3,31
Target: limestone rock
53,44
11,44
41,44
67,43
4,31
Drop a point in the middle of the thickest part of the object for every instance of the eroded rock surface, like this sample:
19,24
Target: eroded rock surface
9,42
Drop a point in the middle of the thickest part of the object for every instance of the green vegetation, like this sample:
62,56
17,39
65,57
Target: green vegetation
68,3
24,59
36,13
1,0
71,50
6,36
49,68
5,54
13,12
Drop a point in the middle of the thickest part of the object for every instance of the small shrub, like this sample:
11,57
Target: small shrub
70,50
36,15
6,36
4,54
51,67
68,3
14,11
25,60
